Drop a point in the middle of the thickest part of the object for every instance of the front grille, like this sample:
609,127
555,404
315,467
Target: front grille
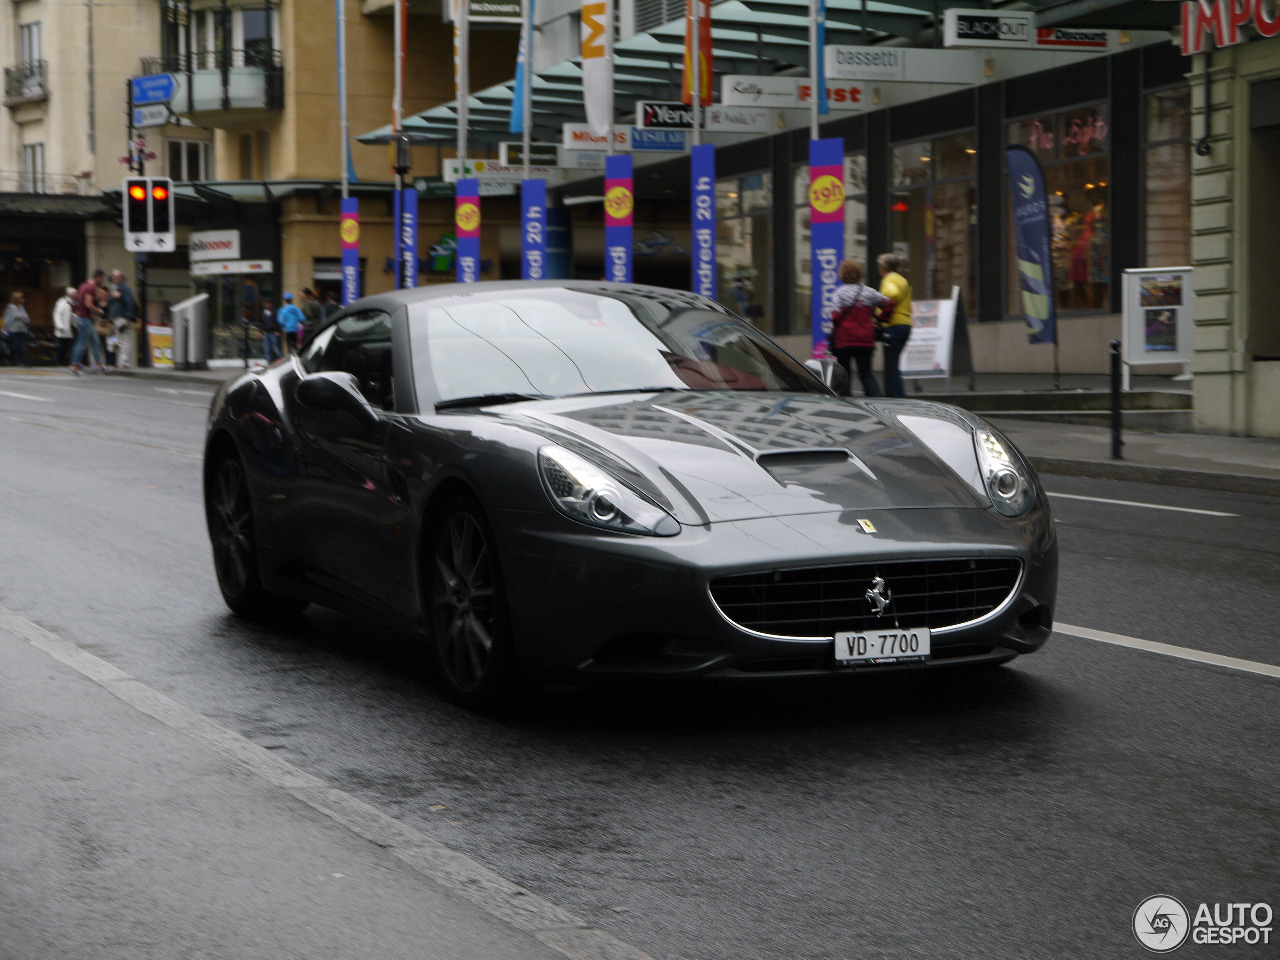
821,601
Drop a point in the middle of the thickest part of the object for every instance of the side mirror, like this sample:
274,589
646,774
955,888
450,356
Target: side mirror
829,372
336,391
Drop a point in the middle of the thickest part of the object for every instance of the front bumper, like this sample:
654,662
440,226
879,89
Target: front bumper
593,606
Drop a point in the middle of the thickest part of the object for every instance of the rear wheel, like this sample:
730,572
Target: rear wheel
469,624
229,511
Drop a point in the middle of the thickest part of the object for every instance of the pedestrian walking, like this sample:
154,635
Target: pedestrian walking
330,305
895,286
858,312
64,324
122,311
17,325
87,311
291,318
270,327
311,313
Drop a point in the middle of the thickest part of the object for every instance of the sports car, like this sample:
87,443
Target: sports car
557,483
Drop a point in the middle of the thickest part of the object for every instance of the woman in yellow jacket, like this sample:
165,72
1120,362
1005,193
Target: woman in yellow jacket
894,286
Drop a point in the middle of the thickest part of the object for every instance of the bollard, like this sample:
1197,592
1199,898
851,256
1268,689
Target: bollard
1116,442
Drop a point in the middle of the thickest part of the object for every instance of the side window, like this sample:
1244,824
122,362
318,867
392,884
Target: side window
361,346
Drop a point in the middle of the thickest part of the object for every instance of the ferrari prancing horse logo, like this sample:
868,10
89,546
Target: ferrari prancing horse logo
879,595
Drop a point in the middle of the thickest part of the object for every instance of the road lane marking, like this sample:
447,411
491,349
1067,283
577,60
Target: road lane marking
1169,650
190,393
24,396
501,898
1149,506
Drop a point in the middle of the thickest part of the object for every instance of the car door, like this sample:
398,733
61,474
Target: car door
342,476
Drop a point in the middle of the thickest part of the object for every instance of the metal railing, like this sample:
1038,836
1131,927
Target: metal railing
26,83
20,181
223,61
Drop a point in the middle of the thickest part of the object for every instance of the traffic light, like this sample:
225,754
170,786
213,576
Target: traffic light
162,210
148,214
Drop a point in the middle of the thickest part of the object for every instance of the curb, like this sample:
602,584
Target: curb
1169,476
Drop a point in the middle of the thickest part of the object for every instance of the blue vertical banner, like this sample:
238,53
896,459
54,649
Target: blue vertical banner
826,233
1032,230
409,239
702,192
516,124
619,213
466,224
533,229
349,233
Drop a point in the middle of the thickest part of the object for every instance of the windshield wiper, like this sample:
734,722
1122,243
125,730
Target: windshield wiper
600,393
488,399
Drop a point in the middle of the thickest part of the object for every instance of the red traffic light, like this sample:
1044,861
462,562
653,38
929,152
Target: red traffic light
137,191
160,192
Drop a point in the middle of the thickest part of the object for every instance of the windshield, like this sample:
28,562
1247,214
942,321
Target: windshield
556,342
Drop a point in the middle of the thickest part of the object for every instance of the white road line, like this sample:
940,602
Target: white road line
1149,506
557,928
189,393
1169,650
24,396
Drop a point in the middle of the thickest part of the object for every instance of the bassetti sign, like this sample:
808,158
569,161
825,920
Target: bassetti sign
1223,19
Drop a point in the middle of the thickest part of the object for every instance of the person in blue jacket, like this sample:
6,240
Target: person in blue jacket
291,318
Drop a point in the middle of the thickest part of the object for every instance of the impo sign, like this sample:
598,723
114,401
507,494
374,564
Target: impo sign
1223,19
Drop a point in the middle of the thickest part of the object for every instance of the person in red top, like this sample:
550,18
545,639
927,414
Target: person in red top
858,310
86,311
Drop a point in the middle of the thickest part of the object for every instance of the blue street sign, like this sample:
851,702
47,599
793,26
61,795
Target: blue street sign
153,88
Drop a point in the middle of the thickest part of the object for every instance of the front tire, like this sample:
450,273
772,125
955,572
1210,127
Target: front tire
470,629
229,512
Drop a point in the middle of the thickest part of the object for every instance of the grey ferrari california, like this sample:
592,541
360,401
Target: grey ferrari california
564,482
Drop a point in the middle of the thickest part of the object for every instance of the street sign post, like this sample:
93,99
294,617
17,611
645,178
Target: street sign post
151,115
153,88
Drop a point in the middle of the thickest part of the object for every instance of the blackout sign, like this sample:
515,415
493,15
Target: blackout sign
983,28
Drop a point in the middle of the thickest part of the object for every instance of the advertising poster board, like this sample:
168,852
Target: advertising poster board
161,341
1158,317
933,325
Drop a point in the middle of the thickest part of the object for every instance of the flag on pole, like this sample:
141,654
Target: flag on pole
597,65
1032,228
523,70
703,46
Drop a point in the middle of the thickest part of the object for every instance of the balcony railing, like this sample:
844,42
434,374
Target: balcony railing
227,79
23,181
26,83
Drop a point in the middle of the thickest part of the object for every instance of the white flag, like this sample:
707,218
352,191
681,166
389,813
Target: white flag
597,64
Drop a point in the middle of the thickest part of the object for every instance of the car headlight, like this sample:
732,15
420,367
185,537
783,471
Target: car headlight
584,492
1007,479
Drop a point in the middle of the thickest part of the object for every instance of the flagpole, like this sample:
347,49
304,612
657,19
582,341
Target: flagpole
695,74
608,59
342,92
526,90
815,57
462,79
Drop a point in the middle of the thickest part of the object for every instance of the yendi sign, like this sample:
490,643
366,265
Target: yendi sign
663,116
1223,19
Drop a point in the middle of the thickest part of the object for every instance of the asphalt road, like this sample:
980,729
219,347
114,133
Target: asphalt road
1015,813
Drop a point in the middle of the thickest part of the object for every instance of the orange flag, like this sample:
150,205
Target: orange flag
705,65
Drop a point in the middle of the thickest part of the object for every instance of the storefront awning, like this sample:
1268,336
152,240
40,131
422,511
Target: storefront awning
754,37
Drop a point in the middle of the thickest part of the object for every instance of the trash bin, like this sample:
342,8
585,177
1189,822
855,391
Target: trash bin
190,321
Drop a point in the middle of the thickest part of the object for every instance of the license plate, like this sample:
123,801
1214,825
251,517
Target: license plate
883,647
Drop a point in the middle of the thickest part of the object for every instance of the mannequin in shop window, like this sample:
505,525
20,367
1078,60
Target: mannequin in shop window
1088,269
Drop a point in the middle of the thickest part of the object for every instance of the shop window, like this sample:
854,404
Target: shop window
744,247
855,231
1167,178
933,215
1073,148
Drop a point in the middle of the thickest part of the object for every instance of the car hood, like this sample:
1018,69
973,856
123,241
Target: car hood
718,455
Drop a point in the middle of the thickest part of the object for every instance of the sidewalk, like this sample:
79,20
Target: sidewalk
136,828
1208,461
